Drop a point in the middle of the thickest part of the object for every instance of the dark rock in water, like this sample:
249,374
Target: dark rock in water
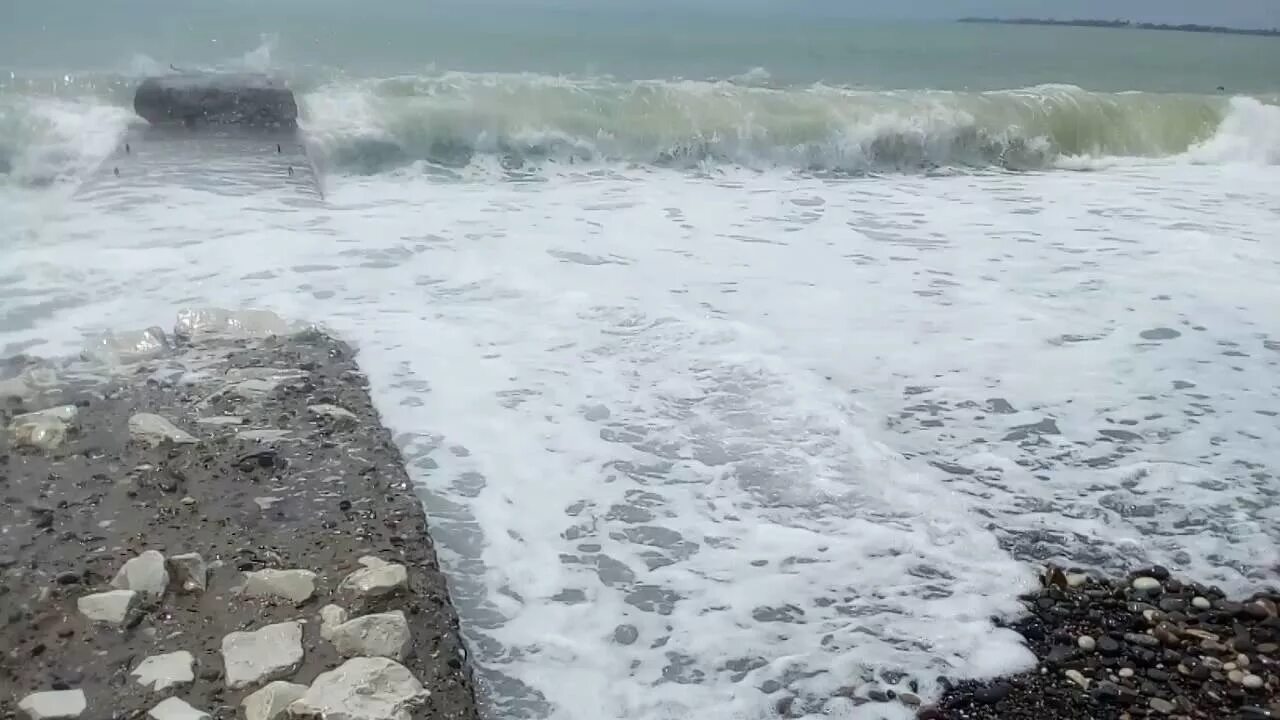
196,99
992,694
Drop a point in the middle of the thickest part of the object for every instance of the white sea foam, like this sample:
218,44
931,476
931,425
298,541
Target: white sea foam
692,445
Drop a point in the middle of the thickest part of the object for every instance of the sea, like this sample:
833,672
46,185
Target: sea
749,364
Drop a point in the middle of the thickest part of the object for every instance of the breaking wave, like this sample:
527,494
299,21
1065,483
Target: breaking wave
528,121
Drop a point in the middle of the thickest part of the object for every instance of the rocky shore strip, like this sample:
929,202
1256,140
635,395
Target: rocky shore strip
214,524
1144,646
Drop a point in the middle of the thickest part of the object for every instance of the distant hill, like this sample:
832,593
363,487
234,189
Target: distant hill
1126,24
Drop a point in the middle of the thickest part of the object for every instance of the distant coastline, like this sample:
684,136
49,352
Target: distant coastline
1125,24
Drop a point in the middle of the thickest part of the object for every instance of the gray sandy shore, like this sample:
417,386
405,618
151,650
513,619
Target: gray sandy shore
217,527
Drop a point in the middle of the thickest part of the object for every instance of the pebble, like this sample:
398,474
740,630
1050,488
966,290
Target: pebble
265,654
1242,660
175,709
911,699
53,705
1126,672
296,586
1161,705
1087,643
271,702
331,616
1146,584
1252,682
1201,603
1236,676
145,574
1078,678
161,672
110,608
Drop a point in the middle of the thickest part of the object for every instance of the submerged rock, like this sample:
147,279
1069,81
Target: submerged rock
266,654
110,608
154,430
362,689
296,586
377,635
117,348
217,322
161,672
175,709
54,704
44,430
271,702
145,574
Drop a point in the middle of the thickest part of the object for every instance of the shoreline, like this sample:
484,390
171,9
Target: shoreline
1125,25
220,526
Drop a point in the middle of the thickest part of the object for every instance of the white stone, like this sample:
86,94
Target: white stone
154,430
332,411
145,573
266,654
362,689
331,616
111,608
270,702
377,635
376,579
1126,672
229,323
296,586
161,672
190,571
252,383
1086,643
1076,580
1146,584
175,709
54,704
1078,678
1252,682
1201,603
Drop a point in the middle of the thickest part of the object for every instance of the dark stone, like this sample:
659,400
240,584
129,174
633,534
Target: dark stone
216,99
993,693
1172,604
68,578
1108,646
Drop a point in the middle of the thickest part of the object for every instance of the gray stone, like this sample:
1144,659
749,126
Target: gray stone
1252,682
331,616
376,579
110,608
1087,643
265,435
222,420
161,672
175,709
377,635
54,704
155,430
1201,603
270,702
296,586
266,654
190,571
1078,678
145,574
362,689
1161,705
